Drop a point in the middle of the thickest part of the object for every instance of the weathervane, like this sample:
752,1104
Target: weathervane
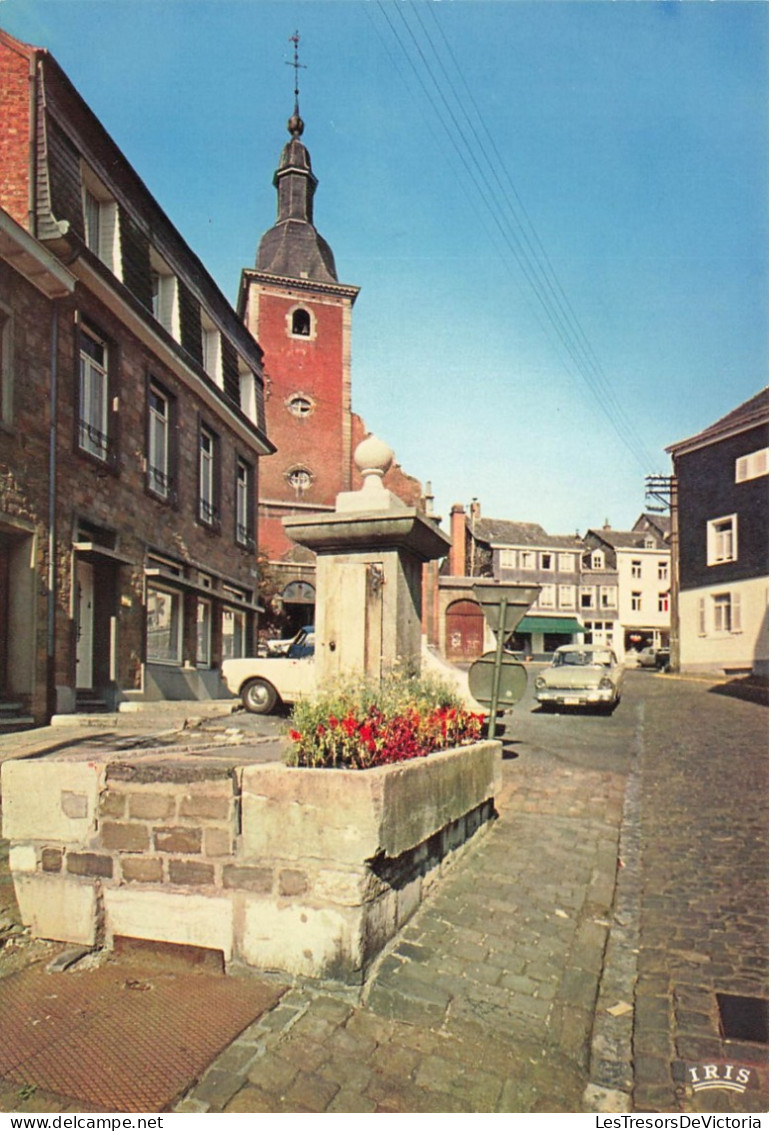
295,124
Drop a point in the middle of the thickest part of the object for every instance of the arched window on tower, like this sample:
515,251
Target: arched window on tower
301,322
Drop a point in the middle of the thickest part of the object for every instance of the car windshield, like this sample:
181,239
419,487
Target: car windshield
583,659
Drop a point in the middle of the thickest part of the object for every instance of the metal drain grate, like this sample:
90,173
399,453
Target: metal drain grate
743,1018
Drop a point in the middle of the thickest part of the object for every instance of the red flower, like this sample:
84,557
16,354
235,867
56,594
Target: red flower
295,736
332,721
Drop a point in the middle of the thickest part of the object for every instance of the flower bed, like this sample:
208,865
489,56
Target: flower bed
362,725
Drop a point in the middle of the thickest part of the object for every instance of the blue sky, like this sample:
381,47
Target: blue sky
617,149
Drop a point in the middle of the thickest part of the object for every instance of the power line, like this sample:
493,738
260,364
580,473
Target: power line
501,201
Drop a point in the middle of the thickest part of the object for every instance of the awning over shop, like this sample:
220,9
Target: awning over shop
569,625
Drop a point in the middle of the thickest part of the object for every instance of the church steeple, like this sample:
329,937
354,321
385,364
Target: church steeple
292,247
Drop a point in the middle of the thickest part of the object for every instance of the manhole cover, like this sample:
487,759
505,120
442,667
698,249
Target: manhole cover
743,1018
124,1037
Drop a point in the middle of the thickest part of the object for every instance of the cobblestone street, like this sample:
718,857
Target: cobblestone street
570,960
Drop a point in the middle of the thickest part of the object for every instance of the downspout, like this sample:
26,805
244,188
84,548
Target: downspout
32,156
51,620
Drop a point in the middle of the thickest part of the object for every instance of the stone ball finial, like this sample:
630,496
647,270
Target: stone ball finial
373,457
296,125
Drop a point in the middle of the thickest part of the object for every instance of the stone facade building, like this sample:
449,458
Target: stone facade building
607,587
294,304
720,531
131,429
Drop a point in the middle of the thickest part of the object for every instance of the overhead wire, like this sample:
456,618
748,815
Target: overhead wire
473,145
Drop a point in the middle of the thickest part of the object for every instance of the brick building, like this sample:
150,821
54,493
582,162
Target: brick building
295,306
132,423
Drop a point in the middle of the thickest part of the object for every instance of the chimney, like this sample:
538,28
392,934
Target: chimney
458,540
475,509
606,525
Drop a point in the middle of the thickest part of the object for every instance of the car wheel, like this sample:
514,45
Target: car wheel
259,696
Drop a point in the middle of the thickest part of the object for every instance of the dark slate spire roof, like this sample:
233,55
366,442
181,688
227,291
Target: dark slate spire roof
292,247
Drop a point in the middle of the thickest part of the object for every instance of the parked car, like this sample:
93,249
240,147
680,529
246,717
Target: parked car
654,658
265,682
292,645
581,675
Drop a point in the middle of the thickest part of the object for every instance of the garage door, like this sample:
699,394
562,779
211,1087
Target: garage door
464,631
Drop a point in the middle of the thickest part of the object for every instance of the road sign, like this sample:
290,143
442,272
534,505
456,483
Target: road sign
512,685
490,595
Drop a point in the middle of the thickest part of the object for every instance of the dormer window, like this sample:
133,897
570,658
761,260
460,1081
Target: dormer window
211,349
301,323
164,294
101,223
598,560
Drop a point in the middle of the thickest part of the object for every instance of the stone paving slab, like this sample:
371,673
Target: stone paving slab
486,1001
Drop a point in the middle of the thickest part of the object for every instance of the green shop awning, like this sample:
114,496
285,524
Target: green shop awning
569,625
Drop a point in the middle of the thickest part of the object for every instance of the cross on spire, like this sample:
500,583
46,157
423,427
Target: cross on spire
298,66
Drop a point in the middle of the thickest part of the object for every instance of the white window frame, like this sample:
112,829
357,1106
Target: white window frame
158,437
244,532
211,349
233,641
723,539
508,559
586,591
566,563
173,654
567,596
608,597
165,295
752,466
101,224
663,568
94,399
203,624
207,454
598,559
636,569
636,601
527,560
547,598
547,561
663,602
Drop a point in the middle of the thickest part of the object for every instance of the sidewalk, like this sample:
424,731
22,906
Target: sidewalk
487,1001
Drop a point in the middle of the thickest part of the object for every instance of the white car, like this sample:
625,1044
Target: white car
264,682
581,675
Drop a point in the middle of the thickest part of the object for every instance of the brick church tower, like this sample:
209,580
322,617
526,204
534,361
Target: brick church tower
294,305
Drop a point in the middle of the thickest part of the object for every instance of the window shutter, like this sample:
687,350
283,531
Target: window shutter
736,612
702,617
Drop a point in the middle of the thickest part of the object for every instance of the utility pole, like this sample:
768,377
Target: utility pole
661,496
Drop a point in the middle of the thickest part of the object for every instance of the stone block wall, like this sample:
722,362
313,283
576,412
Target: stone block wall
307,872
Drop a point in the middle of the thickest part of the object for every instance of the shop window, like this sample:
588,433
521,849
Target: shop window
164,626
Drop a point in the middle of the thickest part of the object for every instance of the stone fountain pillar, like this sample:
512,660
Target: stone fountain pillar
369,559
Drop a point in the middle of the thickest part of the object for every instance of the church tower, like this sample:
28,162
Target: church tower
294,305
300,314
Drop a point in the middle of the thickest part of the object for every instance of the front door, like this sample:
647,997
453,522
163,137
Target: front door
84,654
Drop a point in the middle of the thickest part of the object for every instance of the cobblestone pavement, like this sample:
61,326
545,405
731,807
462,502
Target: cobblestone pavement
487,1001
570,960
704,892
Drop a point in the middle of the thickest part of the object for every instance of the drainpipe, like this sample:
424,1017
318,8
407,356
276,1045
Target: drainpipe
32,156
51,619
